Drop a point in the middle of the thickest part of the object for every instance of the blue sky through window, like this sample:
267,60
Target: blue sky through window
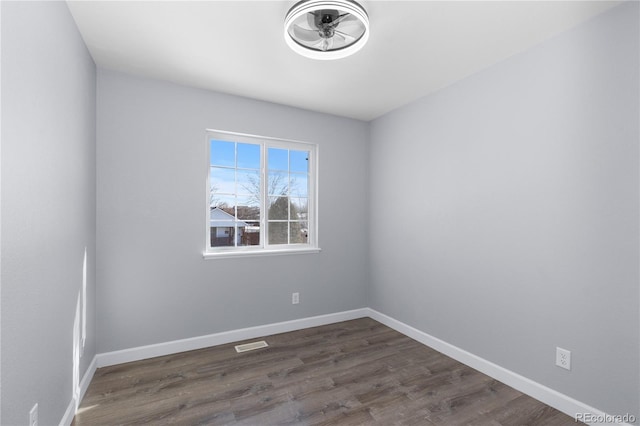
288,160
248,156
222,154
278,159
299,161
235,174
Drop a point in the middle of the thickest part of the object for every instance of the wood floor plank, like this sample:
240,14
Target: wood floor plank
356,372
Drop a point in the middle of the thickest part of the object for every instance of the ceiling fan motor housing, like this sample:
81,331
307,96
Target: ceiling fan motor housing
325,16
325,21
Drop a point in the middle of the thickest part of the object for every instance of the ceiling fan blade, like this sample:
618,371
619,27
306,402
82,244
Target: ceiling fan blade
339,41
304,34
328,44
347,37
324,44
344,16
347,17
311,20
350,26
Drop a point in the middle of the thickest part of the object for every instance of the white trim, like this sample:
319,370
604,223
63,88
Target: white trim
176,346
88,376
259,252
553,398
251,138
67,418
312,196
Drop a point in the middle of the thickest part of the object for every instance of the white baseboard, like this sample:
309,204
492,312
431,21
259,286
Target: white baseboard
86,379
67,418
527,386
176,346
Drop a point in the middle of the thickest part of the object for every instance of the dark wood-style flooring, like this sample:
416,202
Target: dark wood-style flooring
356,372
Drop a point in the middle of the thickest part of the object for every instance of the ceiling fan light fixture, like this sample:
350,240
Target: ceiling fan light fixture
329,29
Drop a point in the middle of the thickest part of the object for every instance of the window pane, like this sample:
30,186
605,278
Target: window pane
222,236
251,234
278,208
278,183
222,224
299,208
248,209
223,153
299,161
249,183
222,180
299,233
299,185
278,159
249,156
278,232
225,203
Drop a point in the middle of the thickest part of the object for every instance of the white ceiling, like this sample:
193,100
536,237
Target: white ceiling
237,47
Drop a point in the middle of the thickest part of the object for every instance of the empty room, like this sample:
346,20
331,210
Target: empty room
324,212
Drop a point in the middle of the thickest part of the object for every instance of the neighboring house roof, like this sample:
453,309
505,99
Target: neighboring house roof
221,219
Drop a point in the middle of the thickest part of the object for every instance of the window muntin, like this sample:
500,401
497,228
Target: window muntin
260,194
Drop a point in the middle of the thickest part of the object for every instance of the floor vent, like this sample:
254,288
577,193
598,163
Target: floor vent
251,346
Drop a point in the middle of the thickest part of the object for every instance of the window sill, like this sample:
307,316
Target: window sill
258,253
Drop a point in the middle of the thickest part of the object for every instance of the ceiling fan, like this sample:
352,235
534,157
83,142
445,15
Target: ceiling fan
330,29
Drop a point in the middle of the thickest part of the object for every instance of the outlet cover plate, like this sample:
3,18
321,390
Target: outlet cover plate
563,358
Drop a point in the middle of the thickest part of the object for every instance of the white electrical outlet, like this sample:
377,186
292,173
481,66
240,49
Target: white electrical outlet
295,298
563,358
33,416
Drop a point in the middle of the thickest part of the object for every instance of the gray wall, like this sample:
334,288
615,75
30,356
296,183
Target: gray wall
517,194
48,205
153,284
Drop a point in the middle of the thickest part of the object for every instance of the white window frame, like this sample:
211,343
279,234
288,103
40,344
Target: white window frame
264,248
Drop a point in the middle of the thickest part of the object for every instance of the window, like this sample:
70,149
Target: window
260,195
